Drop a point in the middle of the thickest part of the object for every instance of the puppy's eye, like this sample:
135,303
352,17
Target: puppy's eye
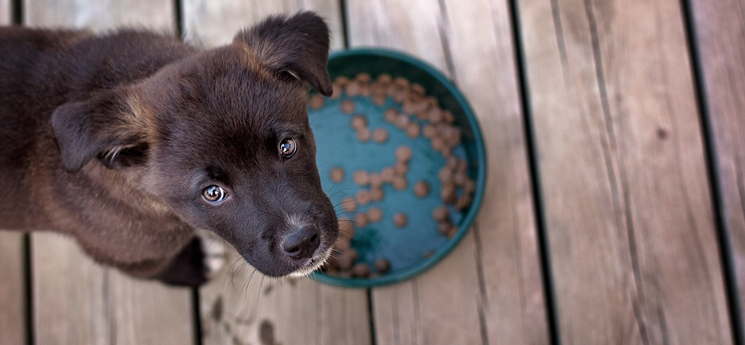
287,147
214,194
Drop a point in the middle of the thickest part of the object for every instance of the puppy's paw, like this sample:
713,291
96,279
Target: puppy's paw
197,262
214,252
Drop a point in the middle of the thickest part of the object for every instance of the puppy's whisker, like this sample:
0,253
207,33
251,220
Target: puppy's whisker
231,274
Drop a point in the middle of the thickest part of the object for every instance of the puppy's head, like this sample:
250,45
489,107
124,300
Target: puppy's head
223,138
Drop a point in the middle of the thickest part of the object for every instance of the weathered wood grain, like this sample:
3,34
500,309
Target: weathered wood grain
101,15
75,300
12,289
241,306
489,289
79,302
302,312
629,219
6,12
214,23
721,50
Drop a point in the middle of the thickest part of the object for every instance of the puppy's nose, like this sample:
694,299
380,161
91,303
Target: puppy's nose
302,243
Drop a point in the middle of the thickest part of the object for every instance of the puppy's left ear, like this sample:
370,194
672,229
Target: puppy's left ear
110,126
297,46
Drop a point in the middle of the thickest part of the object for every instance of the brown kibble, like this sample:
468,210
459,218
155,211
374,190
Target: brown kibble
400,220
365,90
360,220
412,130
388,174
448,116
429,131
463,202
438,143
353,88
358,122
390,115
401,168
445,174
316,102
462,165
348,204
380,135
361,178
337,174
397,93
346,229
376,180
447,193
421,189
363,197
385,78
382,265
441,214
341,80
409,107
402,121
374,214
363,78
378,99
376,194
435,115
361,270
470,186
418,89
428,254
344,274
403,153
363,134
444,228
400,182
460,178
347,106
451,233
452,162
335,91
346,259
400,81
342,243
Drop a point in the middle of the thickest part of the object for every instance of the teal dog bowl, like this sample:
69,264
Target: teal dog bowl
412,249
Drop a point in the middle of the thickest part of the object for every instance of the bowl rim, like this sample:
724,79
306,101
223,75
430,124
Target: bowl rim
465,225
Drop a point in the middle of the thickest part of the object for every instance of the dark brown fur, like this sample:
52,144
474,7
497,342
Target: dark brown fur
111,139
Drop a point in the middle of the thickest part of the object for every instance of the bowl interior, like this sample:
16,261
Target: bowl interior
418,246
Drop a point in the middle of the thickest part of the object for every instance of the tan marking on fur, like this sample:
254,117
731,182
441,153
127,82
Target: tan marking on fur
142,115
256,58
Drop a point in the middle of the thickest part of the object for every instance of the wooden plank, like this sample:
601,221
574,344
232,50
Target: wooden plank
12,289
100,15
6,12
629,219
302,312
489,290
75,300
722,52
215,23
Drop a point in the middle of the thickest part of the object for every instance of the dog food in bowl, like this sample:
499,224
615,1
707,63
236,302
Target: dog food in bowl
406,152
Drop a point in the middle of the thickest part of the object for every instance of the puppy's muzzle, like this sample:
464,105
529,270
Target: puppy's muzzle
301,243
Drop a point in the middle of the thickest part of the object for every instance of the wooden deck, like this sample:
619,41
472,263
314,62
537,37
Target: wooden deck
615,202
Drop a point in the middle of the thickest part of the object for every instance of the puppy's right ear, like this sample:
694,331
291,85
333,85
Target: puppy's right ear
297,46
101,126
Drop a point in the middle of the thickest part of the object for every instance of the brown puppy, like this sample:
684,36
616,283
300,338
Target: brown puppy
131,141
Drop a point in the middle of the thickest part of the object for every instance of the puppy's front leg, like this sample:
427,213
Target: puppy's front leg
196,263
